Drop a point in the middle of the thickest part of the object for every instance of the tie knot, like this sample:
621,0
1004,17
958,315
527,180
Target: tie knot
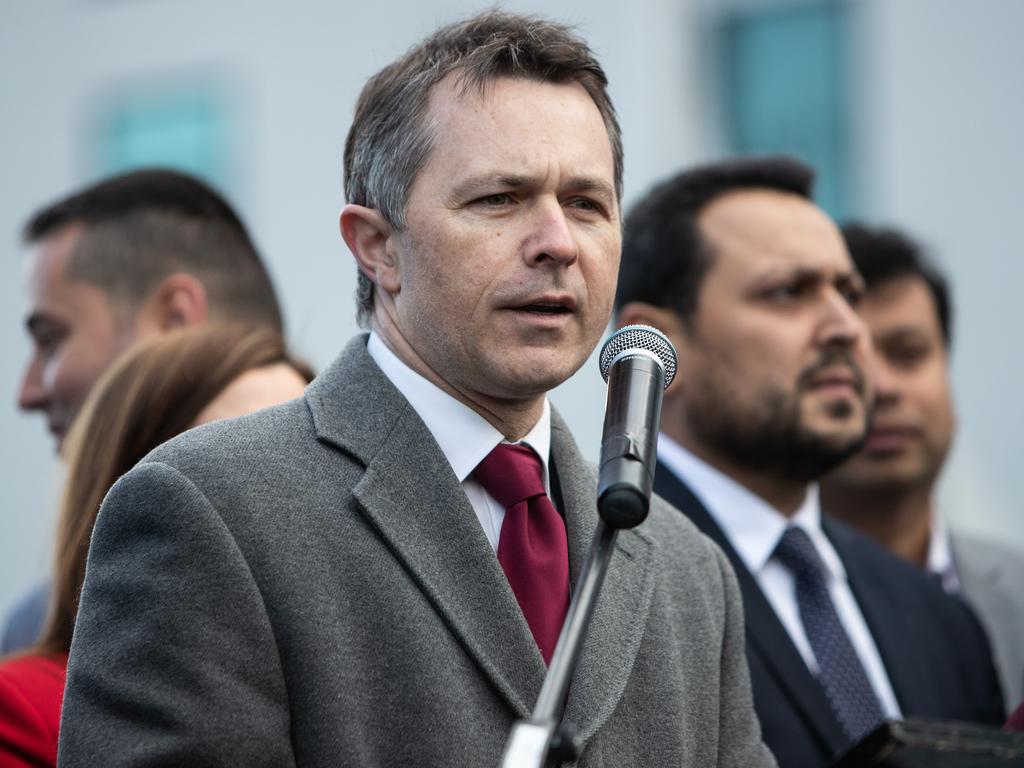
511,474
796,551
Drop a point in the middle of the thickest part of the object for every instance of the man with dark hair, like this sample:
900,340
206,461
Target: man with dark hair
124,258
753,284
111,264
887,489
378,574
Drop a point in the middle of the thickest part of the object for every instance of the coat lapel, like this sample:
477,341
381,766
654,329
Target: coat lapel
896,632
411,497
616,628
766,636
414,501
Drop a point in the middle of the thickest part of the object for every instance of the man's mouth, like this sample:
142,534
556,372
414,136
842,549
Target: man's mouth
836,379
890,438
545,309
57,431
834,373
551,306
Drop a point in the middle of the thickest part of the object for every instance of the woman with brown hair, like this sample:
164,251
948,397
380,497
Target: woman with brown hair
157,390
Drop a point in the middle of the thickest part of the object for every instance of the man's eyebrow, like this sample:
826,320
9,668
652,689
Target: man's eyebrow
591,184
805,274
795,272
852,277
901,333
489,182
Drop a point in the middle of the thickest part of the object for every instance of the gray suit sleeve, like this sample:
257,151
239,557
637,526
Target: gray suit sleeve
741,743
173,660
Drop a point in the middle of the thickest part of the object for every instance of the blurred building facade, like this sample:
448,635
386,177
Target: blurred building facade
909,108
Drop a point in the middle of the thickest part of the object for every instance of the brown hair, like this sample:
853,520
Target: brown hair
139,227
390,138
150,394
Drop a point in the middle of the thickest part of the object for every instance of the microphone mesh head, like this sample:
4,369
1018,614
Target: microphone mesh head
639,337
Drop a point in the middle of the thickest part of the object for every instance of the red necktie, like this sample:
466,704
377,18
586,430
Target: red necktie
532,549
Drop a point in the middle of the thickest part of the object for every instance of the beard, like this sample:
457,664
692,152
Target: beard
772,438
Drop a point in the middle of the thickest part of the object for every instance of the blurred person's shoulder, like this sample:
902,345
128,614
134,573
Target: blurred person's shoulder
970,549
321,440
267,436
31,693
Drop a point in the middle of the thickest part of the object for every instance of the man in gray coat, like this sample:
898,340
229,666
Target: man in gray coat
348,579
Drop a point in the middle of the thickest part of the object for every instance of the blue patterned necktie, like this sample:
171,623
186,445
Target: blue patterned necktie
840,672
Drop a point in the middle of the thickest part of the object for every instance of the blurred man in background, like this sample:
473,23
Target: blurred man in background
888,489
116,262
753,284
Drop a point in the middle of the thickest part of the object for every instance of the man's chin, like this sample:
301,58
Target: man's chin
890,471
838,423
58,435
537,374
812,452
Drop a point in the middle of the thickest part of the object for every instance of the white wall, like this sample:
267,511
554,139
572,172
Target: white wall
941,116
294,71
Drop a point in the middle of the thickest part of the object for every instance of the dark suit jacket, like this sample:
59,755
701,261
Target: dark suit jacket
933,648
309,586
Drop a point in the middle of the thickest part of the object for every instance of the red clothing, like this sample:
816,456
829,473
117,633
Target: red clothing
1016,721
31,692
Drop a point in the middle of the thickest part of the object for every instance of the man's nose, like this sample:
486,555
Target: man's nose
31,395
552,239
882,380
840,324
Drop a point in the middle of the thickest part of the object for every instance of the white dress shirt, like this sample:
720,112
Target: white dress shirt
940,556
754,528
464,436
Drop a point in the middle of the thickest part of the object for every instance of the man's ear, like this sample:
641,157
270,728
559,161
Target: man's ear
179,301
370,238
641,313
665,320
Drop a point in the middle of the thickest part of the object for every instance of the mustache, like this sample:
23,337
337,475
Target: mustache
831,358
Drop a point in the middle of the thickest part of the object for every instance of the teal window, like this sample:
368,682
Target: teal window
785,89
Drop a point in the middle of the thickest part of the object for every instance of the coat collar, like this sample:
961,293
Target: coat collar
411,496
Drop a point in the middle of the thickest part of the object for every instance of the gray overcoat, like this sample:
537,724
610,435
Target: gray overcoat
309,586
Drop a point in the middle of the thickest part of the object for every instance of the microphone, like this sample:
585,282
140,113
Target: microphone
638,363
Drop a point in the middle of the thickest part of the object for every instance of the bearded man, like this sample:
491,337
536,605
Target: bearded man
755,287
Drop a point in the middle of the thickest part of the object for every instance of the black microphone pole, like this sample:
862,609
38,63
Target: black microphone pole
638,363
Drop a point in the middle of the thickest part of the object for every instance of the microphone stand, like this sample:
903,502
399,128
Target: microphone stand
633,362
541,742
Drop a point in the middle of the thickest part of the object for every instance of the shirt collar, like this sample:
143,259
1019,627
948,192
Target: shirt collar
464,436
751,524
940,556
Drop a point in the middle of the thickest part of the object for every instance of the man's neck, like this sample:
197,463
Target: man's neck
784,495
513,418
899,521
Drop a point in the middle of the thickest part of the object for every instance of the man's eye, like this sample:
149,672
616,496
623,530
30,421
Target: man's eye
584,204
852,294
906,357
46,342
786,291
495,200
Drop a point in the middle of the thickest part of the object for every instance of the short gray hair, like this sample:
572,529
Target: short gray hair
390,139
